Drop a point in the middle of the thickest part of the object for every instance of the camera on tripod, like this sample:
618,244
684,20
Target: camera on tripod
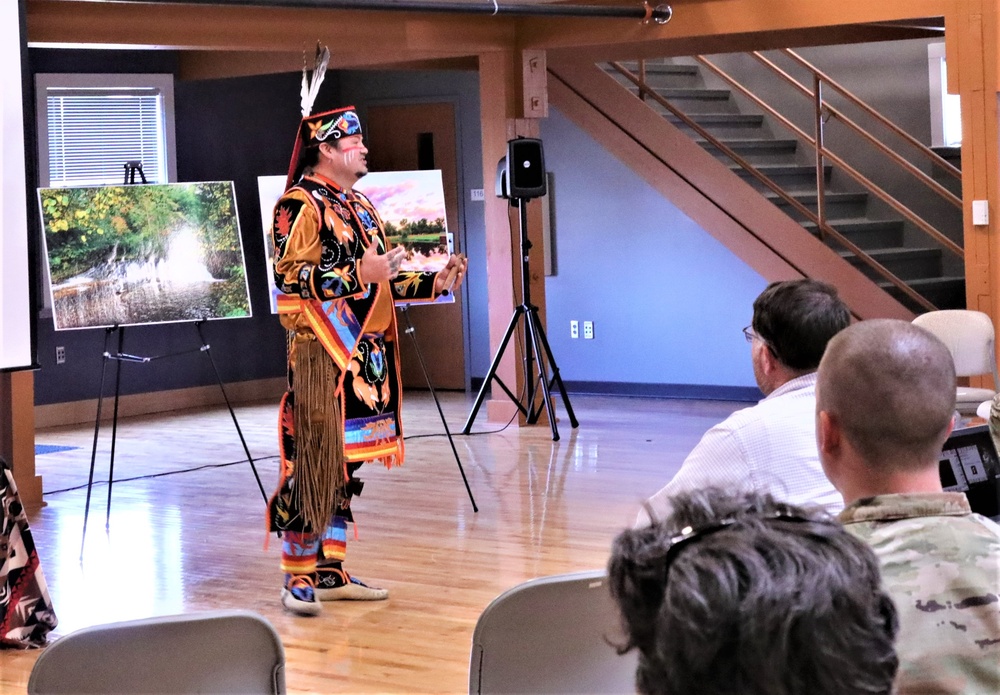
521,174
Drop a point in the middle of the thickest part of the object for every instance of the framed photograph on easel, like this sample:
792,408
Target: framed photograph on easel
144,254
410,203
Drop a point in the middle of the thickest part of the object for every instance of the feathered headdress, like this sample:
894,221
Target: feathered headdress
311,83
321,127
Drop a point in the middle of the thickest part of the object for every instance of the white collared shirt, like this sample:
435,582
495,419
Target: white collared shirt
768,447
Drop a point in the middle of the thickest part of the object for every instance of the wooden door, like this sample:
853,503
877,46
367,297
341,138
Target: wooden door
408,137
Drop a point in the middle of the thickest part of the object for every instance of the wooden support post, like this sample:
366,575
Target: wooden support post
503,90
534,76
973,61
17,432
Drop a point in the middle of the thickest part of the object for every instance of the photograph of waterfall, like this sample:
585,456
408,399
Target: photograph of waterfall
142,254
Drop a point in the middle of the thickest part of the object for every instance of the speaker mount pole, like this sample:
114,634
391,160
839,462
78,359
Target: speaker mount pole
534,348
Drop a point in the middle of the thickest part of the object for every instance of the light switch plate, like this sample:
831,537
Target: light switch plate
980,212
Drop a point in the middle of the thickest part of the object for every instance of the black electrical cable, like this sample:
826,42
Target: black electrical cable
158,475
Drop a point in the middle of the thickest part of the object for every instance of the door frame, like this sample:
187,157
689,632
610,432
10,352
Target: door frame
462,233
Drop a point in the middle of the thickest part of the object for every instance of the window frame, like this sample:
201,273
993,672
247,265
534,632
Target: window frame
163,82
945,108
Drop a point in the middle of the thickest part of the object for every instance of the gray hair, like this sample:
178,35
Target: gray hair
891,387
760,598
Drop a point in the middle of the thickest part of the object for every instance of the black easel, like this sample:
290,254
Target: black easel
131,169
119,357
532,349
411,331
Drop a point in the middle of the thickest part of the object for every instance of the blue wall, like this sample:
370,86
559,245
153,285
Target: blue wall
667,300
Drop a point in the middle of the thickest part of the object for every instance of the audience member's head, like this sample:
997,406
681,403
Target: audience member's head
794,321
885,401
738,594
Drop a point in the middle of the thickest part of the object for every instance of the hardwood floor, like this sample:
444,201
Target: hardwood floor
195,540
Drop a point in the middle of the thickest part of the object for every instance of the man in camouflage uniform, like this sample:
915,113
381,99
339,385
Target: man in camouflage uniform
885,406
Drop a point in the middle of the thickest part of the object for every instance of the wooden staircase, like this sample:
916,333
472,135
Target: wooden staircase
888,239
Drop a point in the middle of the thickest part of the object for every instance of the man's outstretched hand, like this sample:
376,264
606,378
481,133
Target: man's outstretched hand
376,267
450,277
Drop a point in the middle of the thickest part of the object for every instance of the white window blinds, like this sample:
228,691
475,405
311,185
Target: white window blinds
92,133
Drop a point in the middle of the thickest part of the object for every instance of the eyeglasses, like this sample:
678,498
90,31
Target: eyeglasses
689,535
749,334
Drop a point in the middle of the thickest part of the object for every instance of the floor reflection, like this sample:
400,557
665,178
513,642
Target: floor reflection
132,570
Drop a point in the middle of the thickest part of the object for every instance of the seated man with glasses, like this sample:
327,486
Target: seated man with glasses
771,447
741,595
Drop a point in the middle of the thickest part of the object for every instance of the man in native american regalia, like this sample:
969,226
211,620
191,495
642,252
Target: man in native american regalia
338,280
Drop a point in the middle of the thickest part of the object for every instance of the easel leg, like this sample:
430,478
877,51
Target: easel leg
97,430
114,425
206,348
420,358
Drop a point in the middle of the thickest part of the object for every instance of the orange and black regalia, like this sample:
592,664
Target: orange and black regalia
343,400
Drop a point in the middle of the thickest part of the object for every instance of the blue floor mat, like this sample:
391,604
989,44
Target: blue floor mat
51,449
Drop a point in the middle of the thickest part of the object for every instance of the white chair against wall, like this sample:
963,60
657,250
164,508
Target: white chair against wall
228,651
549,635
970,338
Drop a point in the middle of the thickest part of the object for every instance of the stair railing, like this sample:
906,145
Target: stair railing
822,225
820,78
820,107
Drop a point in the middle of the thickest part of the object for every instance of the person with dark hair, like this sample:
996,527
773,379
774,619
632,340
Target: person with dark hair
885,404
742,595
771,447
338,279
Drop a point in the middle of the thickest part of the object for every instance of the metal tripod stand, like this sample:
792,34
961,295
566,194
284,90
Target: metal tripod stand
532,349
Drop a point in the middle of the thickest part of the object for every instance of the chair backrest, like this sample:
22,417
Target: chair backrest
969,336
550,635
227,651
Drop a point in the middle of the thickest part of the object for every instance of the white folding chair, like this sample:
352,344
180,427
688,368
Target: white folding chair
228,651
550,635
970,338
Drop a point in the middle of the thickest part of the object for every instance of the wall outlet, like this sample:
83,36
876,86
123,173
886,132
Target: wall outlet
60,355
574,329
588,330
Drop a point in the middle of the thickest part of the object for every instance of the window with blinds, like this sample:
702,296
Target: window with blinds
92,133
90,126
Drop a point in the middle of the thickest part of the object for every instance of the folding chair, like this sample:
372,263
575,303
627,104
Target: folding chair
551,635
969,336
228,651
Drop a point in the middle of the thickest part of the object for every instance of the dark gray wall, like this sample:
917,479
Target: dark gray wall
226,130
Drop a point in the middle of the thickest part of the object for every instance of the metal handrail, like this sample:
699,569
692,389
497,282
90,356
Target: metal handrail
878,144
851,171
846,93
822,226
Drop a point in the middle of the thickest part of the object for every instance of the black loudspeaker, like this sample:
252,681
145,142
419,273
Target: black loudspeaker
521,174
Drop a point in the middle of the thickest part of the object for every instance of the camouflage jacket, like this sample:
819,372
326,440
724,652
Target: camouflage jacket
941,565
